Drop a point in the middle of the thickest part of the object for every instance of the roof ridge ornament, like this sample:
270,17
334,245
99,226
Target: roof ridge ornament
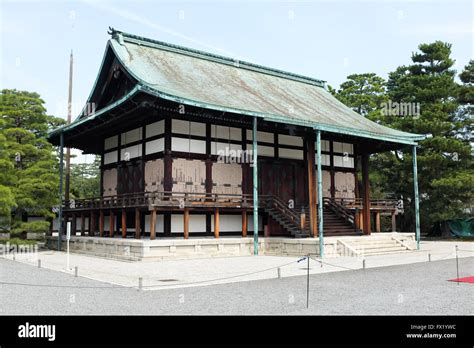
116,35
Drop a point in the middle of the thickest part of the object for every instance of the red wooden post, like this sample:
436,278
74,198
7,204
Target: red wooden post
186,223
216,223
153,224
124,223
244,223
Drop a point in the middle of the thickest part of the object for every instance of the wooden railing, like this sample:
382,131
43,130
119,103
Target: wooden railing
282,207
340,210
352,203
162,199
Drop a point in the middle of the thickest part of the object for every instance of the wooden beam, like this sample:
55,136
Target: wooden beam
186,223
137,224
244,223
83,223
111,224
377,221
101,223
153,224
366,193
216,223
312,185
124,223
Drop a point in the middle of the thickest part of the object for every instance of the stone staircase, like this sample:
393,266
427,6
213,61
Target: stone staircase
376,244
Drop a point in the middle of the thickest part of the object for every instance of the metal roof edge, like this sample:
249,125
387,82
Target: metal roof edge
81,115
216,58
97,114
277,118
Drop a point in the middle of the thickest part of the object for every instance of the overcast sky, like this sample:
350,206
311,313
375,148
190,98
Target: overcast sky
323,39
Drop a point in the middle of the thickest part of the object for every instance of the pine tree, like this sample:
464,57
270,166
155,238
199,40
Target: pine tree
32,175
445,182
364,93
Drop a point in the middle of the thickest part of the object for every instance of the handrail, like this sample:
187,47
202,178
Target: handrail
353,203
339,209
281,206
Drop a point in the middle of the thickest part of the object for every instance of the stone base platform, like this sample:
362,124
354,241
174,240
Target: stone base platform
174,248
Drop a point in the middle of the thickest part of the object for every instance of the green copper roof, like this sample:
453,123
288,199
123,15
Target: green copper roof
210,81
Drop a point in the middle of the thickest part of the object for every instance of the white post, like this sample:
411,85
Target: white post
68,237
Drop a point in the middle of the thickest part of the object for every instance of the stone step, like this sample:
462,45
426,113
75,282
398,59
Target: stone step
378,252
381,249
377,246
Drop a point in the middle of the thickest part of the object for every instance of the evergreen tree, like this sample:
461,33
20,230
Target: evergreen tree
364,93
31,176
445,182
85,179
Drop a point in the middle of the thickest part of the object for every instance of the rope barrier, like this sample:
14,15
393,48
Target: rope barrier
196,282
148,286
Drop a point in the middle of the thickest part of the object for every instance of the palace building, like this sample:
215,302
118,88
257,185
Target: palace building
194,144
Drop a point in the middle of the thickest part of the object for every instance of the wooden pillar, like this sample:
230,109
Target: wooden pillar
101,223
377,221
186,223
83,223
216,223
111,224
73,224
311,185
244,223
167,159
92,223
124,223
366,197
356,179
208,183
167,224
394,222
332,171
357,220
361,220
137,224
153,224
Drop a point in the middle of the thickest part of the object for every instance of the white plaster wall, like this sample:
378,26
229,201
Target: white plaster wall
155,128
154,146
110,157
109,182
291,153
290,140
111,142
228,223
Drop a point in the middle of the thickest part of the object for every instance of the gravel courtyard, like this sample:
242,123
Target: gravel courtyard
410,289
